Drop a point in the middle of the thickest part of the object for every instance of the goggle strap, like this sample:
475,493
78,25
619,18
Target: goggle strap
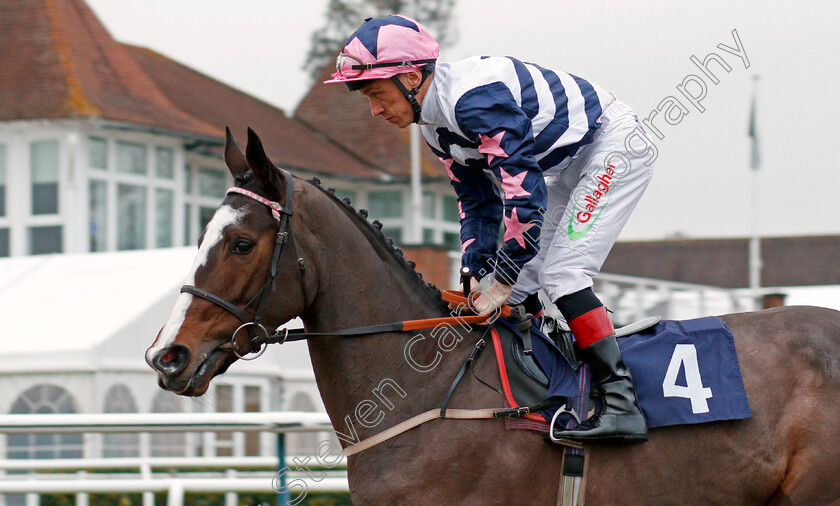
371,66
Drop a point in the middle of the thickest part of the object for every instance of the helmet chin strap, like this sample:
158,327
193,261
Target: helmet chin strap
411,95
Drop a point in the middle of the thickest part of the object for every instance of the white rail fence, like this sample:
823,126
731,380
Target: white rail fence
146,474
633,298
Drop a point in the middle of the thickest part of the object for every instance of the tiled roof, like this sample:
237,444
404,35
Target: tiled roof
58,61
345,119
288,142
788,261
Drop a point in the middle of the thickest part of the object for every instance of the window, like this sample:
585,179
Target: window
2,180
252,405
5,248
385,204
131,217
394,233
188,179
345,194
234,399
428,236
205,189
164,166
98,215
212,182
98,153
131,158
303,443
205,214
187,223
452,241
44,164
164,211
172,444
118,399
450,209
45,240
132,195
44,399
428,205
224,404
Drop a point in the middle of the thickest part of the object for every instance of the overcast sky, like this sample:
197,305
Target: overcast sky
639,50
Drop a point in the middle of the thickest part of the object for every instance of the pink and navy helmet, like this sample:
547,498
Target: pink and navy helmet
383,48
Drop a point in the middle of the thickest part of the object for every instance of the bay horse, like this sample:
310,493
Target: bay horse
336,271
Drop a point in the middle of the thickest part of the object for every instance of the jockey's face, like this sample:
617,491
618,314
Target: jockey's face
387,100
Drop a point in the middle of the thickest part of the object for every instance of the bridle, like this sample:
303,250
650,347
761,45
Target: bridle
282,214
254,326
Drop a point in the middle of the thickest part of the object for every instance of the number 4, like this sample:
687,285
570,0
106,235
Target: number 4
685,355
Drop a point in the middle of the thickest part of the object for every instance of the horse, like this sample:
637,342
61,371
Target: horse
337,271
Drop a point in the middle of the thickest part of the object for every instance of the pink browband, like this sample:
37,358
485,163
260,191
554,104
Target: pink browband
276,208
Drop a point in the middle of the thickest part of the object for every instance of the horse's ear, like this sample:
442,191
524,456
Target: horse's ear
268,175
234,158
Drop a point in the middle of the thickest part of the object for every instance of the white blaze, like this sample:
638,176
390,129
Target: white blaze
224,217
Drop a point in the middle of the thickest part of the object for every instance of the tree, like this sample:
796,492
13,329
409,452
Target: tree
345,16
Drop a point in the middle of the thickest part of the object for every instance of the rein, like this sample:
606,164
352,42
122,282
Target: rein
451,296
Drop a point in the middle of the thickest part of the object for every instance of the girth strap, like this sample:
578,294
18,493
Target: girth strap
462,414
467,365
432,414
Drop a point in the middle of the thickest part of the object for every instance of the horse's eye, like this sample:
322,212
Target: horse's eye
241,247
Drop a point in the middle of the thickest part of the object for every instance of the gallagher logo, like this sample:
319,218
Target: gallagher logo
589,203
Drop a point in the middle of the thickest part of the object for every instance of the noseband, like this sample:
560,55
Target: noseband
283,214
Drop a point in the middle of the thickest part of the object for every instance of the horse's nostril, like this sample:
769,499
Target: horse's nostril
169,356
172,360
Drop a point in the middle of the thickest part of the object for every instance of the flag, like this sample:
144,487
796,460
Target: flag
755,154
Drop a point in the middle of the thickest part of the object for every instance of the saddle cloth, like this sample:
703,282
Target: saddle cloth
684,372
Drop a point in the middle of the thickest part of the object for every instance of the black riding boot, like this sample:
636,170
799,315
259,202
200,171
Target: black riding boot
620,420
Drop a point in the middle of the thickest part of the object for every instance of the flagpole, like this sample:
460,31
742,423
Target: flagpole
755,263
415,235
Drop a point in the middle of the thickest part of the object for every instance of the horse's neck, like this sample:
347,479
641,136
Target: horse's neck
362,376
359,279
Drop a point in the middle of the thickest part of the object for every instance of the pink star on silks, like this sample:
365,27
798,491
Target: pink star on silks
448,164
492,146
461,213
512,185
466,244
515,228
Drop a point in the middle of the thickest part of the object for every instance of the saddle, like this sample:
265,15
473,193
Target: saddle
524,382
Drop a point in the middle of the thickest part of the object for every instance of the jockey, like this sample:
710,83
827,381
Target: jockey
566,180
